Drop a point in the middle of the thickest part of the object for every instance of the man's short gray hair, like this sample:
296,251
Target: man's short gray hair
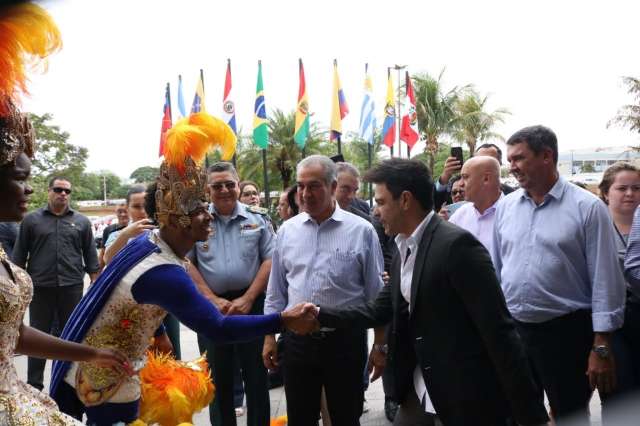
222,167
344,167
328,166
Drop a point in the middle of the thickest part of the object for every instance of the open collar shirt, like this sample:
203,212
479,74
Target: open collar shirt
408,247
558,257
479,224
335,263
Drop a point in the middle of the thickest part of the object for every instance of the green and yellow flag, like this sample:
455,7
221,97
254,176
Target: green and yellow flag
302,112
260,127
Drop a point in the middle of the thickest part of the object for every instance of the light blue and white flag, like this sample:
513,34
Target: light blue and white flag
181,109
367,112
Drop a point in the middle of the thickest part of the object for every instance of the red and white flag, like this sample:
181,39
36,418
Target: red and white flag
228,106
409,126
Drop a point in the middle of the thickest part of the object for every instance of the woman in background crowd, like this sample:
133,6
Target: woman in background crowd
287,204
620,190
249,193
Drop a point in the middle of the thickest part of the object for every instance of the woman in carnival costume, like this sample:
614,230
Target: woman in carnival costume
124,308
27,30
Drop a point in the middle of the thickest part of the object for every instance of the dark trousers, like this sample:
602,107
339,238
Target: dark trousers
172,325
249,355
330,359
559,353
626,351
411,413
49,304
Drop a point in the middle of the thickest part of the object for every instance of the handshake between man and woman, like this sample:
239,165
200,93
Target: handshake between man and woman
301,318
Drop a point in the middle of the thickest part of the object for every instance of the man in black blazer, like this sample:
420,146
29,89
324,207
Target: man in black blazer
451,331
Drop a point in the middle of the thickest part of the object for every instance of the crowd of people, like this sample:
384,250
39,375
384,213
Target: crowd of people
483,298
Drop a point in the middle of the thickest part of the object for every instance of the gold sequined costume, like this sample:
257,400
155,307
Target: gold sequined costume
20,404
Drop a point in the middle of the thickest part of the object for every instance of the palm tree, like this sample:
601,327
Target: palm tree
436,111
629,115
473,124
282,154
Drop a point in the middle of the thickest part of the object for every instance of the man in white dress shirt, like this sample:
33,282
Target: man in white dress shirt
480,179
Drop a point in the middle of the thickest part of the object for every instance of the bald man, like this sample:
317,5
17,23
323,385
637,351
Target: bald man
480,179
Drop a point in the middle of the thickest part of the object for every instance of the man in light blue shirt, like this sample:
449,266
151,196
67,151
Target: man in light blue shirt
327,256
232,269
555,254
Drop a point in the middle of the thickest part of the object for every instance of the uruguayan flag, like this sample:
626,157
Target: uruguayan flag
367,112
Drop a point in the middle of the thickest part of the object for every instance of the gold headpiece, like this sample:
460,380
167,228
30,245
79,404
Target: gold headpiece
27,32
182,183
16,136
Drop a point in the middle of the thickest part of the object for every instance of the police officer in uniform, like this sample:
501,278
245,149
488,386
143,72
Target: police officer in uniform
232,269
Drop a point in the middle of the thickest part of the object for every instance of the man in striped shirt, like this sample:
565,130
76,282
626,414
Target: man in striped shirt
326,256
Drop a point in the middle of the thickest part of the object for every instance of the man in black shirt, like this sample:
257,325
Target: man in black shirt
55,245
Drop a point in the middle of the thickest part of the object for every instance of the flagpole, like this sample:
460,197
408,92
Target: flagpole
339,136
388,77
267,200
369,147
407,82
169,97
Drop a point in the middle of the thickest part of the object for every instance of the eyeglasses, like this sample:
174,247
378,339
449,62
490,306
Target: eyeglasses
250,194
457,192
230,185
59,190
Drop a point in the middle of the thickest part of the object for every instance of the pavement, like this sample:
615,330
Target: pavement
374,395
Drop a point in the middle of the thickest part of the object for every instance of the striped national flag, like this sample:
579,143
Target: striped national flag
228,106
181,109
166,120
339,108
389,125
367,112
198,98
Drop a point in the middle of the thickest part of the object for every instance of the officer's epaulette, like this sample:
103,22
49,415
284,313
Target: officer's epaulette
258,210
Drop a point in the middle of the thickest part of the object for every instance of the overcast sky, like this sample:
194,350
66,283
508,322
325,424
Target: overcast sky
557,63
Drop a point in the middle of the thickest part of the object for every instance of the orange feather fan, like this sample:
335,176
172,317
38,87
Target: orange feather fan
193,136
27,33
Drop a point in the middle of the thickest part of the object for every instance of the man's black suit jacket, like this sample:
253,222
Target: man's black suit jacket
459,331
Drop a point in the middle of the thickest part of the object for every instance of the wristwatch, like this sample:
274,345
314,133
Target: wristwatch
381,348
602,351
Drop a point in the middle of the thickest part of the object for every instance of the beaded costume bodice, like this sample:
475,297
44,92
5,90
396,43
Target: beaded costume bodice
127,326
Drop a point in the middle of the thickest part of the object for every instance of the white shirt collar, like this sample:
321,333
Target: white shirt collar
416,235
490,209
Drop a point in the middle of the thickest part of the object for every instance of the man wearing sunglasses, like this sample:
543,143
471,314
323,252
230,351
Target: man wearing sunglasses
232,270
55,245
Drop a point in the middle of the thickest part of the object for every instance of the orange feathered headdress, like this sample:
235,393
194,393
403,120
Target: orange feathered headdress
27,34
194,136
182,182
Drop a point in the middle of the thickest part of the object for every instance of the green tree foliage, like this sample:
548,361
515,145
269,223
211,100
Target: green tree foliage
54,154
629,115
436,111
473,124
145,174
283,154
